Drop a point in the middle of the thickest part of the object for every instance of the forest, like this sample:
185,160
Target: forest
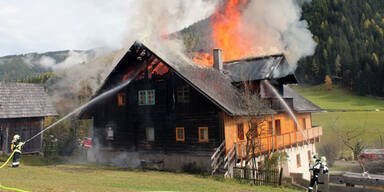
350,35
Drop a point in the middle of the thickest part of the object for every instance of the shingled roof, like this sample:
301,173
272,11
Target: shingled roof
300,103
20,100
260,68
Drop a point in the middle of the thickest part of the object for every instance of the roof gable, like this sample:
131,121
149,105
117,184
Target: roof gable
20,100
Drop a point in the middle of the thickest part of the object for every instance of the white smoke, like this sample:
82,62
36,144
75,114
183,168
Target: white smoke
73,59
147,19
154,20
276,26
47,62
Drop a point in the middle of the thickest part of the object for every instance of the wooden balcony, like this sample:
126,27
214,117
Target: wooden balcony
286,140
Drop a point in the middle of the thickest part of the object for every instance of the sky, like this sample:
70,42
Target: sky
50,25
46,25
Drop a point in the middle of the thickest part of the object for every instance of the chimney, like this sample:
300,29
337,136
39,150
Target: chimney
218,59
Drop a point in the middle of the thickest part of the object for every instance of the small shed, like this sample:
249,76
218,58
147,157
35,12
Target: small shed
23,107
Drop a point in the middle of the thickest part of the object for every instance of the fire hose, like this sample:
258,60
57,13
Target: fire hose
10,188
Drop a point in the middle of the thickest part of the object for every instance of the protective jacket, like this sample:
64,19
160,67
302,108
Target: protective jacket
16,147
317,168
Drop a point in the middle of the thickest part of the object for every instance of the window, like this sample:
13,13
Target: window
295,126
309,156
298,160
303,124
183,94
240,131
180,135
203,134
277,127
150,133
146,97
121,99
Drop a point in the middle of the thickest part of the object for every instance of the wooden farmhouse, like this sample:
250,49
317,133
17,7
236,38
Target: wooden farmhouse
177,113
23,107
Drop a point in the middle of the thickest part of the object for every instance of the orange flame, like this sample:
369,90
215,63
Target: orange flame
226,34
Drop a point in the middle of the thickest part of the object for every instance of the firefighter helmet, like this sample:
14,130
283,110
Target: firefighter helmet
323,159
16,137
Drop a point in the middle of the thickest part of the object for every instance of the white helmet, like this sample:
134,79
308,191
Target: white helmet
16,137
323,159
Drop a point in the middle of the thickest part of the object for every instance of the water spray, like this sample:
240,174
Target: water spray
286,106
94,100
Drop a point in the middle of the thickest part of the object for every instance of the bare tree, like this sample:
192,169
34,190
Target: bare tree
351,137
256,120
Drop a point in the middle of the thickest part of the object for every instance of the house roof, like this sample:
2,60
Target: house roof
20,100
260,68
300,103
213,84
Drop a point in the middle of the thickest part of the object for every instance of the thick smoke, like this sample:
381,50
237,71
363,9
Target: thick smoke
156,19
276,26
147,19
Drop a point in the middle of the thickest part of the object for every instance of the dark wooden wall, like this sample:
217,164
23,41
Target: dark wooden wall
26,128
130,121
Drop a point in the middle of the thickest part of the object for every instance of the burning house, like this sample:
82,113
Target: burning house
175,112
23,107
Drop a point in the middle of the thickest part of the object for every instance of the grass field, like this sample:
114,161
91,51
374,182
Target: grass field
371,121
338,99
96,178
358,113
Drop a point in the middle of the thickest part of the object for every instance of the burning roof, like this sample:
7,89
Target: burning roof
19,100
210,82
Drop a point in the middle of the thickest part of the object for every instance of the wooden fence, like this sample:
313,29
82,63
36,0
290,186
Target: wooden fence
259,176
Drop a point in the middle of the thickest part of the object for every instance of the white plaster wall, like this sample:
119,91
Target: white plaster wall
291,165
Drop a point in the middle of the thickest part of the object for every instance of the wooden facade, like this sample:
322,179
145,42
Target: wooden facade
26,128
175,105
285,135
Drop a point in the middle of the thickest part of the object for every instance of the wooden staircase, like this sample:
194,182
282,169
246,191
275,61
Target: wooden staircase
223,161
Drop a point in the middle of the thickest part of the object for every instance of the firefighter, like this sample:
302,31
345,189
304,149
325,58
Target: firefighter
318,167
16,147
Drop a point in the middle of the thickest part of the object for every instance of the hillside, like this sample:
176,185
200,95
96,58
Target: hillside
23,66
350,35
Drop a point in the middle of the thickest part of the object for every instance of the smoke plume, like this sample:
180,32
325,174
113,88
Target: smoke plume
155,19
275,26
147,19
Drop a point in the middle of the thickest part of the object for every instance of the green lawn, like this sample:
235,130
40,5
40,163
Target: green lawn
338,99
95,178
357,115
371,121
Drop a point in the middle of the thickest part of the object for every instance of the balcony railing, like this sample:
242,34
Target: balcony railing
286,140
